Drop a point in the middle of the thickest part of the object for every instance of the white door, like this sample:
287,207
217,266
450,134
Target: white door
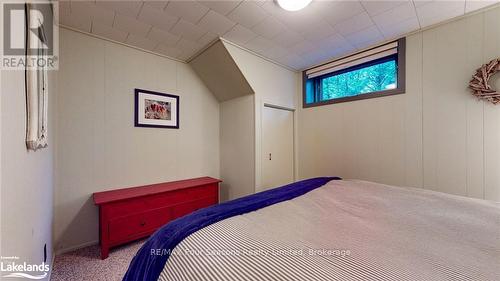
277,147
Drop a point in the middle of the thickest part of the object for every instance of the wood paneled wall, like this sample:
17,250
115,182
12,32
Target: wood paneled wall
436,136
97,146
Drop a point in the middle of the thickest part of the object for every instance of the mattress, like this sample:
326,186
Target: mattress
347,230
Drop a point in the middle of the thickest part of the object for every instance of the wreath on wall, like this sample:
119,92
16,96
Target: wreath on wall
480,82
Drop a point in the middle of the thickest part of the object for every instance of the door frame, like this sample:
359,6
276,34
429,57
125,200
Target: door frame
294,137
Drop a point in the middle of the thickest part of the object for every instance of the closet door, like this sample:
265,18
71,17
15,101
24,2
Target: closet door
277,147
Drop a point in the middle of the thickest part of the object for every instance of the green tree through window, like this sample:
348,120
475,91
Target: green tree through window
374,78
377,72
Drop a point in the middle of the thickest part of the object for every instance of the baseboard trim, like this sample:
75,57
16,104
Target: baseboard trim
51,266
76,247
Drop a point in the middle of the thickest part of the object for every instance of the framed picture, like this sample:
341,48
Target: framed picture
156,110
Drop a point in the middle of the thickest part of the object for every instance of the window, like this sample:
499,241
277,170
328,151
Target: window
373,73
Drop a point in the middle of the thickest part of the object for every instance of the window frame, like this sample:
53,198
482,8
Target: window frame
401,78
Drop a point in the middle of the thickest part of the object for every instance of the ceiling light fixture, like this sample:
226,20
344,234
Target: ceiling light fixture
293,5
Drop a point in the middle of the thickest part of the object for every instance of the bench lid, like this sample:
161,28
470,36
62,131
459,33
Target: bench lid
139,191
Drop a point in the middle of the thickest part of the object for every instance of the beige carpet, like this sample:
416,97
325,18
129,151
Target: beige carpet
86,264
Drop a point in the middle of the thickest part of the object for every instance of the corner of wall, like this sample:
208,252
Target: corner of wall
26,179
98,147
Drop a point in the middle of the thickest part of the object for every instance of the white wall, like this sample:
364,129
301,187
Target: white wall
237,147
218,70
26,177
435,136
272,84
1,91
98,147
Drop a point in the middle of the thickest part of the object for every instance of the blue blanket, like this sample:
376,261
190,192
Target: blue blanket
151,258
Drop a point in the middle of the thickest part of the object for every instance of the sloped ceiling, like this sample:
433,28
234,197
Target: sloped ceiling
220,73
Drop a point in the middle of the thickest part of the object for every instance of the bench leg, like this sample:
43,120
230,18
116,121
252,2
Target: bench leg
103,233
104,251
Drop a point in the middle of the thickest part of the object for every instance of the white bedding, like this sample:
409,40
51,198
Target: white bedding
348,230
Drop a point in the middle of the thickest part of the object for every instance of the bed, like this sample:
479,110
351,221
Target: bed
329,229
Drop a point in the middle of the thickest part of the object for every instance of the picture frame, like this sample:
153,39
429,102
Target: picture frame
155,109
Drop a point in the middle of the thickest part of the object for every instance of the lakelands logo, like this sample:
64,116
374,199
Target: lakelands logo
10,267
30,36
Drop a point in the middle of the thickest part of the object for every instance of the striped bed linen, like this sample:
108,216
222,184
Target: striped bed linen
348,230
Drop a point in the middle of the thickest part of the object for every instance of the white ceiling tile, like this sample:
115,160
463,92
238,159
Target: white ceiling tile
222,7
395,15
437,11
315,8
311,11
333,42
188,48
300,66
208,38
189,45
128,8
292,60
141,42
377,7
109,32
319,31
323,30
317,57
89,9
365,38
187,30
157,18
216,23
191,11
260,2
131,25
472,5
300,22
248,14
240,35
297,20
397,29
419,3
163,37
339,51
274,52
354,24
339,11
302,47
259,44
157,4
269,27
271,7
288,38
185,56
167,50
76,20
